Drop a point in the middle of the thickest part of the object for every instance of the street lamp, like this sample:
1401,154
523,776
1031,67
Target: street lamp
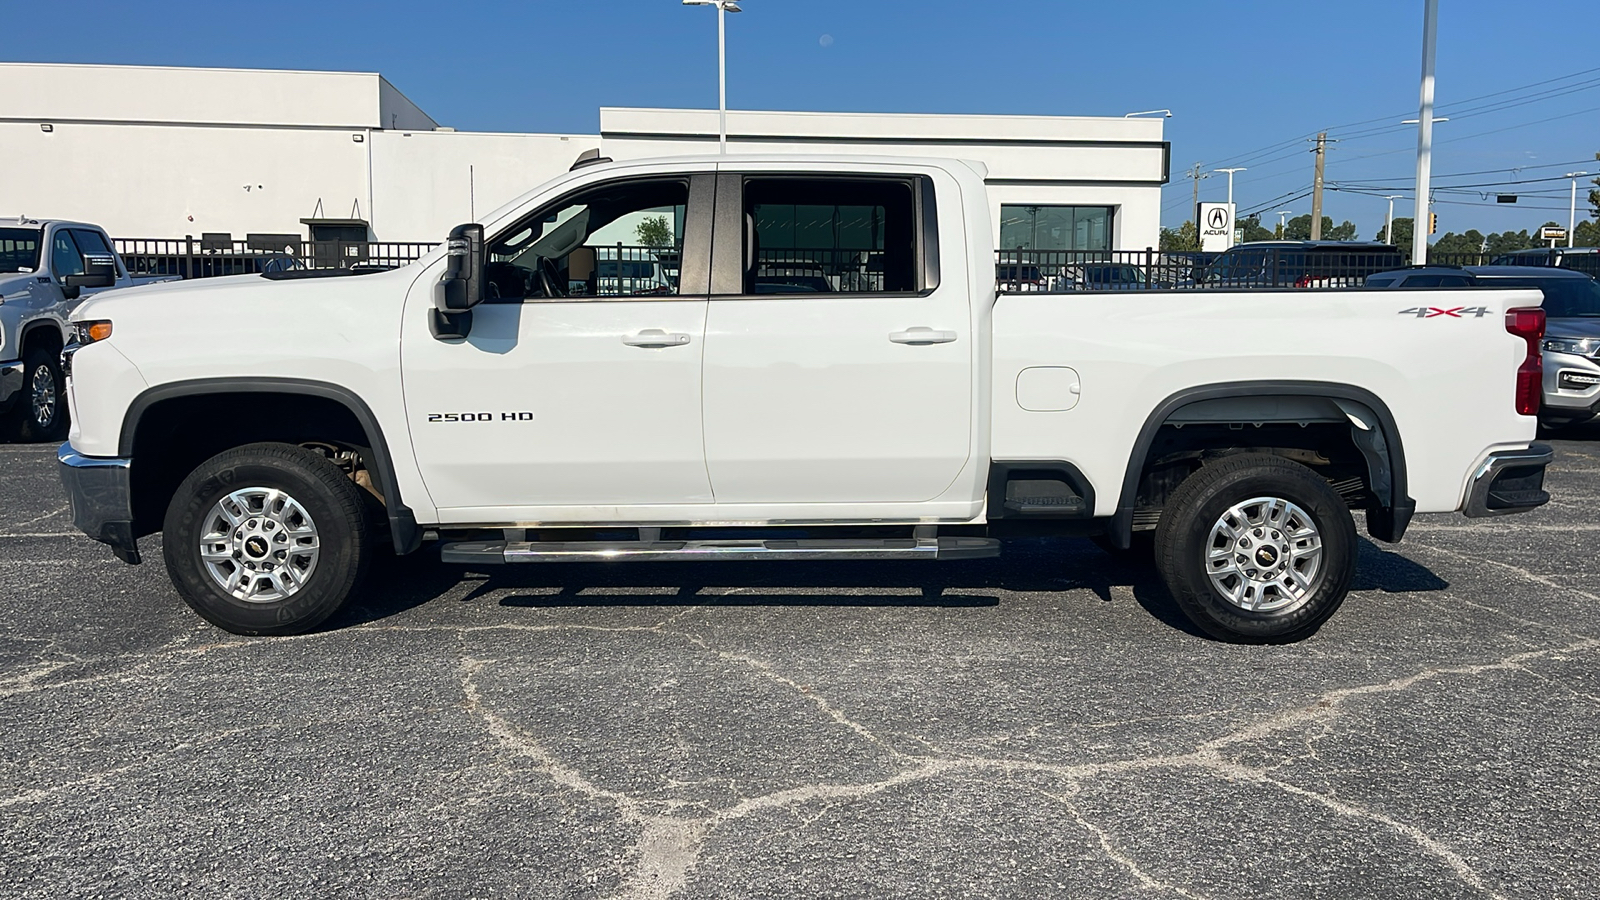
1388,229
1282,227
1230,179
723,7
1572,213
1430,44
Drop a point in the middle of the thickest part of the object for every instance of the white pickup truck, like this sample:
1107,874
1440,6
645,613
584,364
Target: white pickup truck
46,268
822,369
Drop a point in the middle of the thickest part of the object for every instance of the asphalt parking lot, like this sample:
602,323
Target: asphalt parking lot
1042,725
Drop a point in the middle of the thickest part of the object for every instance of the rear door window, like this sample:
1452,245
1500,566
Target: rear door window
854,235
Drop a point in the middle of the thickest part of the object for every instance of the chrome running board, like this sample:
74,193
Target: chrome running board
495,552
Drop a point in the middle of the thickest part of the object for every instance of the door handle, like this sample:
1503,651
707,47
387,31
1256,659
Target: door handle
922,335
655,337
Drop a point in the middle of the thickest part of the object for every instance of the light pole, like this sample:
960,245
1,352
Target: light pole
1230,179
1282,227
1430,43
1388,229
723,8
1572,212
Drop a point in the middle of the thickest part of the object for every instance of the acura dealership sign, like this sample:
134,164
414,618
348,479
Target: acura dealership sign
1216,227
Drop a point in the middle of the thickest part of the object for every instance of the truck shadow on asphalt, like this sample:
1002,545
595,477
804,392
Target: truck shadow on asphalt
1028,570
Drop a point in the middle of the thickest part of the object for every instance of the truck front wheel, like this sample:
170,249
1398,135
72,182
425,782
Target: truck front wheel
41,413
1256,549
266,539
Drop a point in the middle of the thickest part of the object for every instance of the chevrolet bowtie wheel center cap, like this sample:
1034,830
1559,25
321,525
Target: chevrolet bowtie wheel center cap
1264,555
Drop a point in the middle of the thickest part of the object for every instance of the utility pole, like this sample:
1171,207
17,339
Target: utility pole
1430,43
1316,187
1194,173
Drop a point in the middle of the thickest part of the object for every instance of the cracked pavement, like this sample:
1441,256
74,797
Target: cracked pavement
1041,725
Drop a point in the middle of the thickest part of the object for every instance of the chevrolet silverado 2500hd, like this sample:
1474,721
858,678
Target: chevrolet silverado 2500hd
814,365
46,268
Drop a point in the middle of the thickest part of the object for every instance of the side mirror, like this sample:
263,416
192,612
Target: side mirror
462,286
100,271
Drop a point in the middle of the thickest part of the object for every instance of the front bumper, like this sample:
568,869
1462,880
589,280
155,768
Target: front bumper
1509,481
101,493
10,384
1571,389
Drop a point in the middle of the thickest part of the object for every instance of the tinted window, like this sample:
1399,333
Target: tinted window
64,256
622,239
19,249
1037,227
816,236
1564,298
1382,280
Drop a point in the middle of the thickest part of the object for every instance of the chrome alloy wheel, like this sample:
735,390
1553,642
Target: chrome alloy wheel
1265,555
259,544
45,399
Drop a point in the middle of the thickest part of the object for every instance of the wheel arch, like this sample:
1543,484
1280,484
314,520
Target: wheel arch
1374,433
52,330
403,527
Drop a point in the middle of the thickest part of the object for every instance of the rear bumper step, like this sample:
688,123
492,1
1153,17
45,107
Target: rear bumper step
496,552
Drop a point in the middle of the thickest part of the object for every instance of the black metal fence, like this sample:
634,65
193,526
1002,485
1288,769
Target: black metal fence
190,257
1061,271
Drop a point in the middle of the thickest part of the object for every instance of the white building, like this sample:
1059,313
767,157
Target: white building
166,152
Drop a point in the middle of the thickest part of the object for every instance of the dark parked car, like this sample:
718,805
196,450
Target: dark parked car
1572,330
1579,259
1300,264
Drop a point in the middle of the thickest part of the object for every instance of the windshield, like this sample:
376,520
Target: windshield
1564,298
19,250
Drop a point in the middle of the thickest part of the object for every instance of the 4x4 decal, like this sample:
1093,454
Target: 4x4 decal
1459,312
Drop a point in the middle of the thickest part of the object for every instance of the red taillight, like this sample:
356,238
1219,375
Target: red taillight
1528,324
1304,281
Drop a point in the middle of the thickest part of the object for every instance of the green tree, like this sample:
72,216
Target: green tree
1299,229
1183,239
1459,244
1402,233
1594,195
1253,230
1510,241
654,231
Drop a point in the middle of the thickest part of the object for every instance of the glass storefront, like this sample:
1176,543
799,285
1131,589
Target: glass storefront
1033,227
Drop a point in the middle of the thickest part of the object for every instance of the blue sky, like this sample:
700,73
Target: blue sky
1247,81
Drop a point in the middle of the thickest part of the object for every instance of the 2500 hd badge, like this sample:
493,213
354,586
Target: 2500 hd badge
481,417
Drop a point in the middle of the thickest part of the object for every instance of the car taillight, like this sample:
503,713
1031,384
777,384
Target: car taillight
1304,281
1528,324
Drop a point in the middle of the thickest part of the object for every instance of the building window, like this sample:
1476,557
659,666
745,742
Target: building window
1033,227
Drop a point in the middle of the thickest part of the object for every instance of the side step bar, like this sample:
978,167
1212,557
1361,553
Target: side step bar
495,552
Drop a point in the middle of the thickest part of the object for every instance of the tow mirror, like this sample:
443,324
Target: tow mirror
462,286
99,271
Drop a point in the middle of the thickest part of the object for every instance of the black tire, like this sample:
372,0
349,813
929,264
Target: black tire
334,506
1184,539
33,421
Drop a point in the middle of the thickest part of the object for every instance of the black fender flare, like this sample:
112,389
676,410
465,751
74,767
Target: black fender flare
41,323
402,521
1387,524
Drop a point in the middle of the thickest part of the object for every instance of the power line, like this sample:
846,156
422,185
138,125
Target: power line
1249,155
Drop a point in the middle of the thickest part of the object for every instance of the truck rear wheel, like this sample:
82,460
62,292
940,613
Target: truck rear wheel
266,539
1256,549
